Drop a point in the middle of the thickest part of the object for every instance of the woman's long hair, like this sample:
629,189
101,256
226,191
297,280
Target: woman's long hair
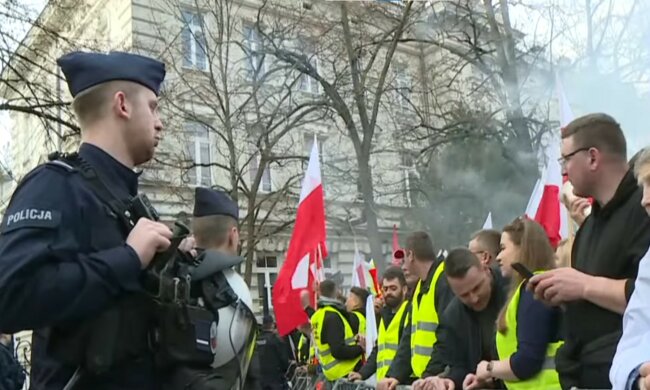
535,252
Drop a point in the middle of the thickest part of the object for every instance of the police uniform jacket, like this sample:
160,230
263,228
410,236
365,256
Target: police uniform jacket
64,259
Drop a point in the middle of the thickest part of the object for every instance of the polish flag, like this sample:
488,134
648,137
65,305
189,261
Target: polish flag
544,203
306,251
359,270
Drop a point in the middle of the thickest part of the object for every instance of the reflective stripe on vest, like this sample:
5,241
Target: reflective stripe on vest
547,378
424,322
333,369
388,341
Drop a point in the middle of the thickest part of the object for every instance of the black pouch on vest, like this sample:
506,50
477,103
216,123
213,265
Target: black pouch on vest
185,335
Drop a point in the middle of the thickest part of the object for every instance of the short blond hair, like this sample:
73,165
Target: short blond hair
642,165
92,105
212,231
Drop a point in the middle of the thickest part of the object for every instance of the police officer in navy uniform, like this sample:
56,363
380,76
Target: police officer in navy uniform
273,357
65,256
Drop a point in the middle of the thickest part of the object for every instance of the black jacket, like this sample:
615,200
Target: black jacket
401,366
273,359
12,375
459,347
610,243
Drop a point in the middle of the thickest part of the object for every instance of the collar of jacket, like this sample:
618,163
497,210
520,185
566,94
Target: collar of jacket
625,189
332,302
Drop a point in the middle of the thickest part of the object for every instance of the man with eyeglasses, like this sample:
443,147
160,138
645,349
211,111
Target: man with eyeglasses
595,290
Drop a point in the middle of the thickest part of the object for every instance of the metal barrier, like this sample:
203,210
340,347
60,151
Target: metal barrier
343,384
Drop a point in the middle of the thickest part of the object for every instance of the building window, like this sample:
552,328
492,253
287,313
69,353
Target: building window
403,85
194,42
265,183
198,152
308,142
411,178
267,274
308,83
255,65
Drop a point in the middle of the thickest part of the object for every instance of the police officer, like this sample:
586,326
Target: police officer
231,337
66,257
274,359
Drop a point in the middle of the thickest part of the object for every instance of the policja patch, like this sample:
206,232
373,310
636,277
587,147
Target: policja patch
32,218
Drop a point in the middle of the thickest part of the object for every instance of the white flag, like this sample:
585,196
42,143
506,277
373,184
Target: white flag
488,221
371,325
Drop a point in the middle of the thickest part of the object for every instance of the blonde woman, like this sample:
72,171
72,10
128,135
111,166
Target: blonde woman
527,330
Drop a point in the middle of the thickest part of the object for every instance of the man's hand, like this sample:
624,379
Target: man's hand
188,245
434,383
148,238
379,303
560,285
387,384
482,372
354,376
361,340
472,382
304,298
577,209
644,381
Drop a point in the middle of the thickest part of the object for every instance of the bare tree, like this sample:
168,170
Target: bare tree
247,105
30,83
358,47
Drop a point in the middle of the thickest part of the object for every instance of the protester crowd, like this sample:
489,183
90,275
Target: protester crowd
510,310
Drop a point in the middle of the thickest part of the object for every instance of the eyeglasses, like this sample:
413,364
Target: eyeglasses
565,159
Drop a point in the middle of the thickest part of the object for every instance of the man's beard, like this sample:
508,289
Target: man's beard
394,302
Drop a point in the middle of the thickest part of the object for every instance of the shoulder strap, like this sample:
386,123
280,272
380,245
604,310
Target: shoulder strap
74,163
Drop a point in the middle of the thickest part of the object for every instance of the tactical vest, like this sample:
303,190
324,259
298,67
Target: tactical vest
333,369
424,323
388,341
507,346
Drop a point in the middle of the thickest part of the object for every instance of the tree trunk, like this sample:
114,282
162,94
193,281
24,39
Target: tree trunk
369,210
250,239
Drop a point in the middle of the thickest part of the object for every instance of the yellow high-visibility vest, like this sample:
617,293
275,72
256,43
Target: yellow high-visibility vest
388,341
507,345
302,358
362,322
424,323
333,369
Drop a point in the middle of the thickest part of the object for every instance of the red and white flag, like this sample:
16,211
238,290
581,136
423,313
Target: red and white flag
306,251
544,204
360,277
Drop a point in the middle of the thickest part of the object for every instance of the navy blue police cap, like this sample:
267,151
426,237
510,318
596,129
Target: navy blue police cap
213,202
83,70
